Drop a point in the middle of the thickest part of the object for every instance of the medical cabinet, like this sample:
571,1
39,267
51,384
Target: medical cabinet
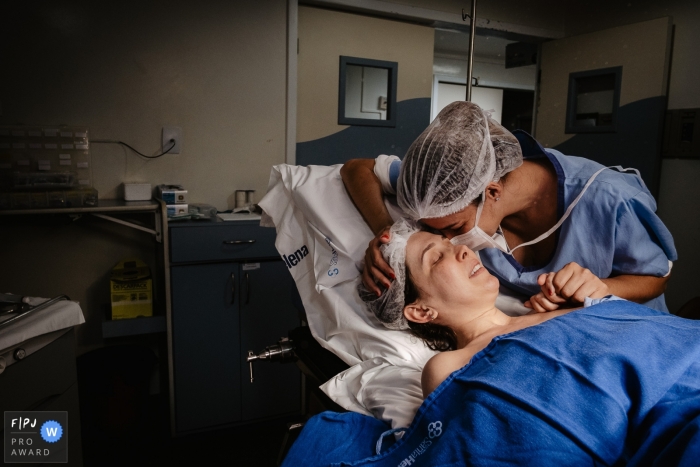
230,293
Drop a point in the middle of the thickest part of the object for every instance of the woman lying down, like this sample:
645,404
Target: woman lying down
613,383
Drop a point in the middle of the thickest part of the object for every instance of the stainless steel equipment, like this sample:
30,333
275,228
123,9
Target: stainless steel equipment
16,307
281,352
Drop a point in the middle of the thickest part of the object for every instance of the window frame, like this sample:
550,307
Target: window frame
393,68
570,126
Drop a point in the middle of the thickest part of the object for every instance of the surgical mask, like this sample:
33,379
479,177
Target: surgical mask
476,239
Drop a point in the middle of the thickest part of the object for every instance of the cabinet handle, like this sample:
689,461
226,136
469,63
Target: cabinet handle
247,288
233,289
237,242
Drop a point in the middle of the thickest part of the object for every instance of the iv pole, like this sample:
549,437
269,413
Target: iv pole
470,59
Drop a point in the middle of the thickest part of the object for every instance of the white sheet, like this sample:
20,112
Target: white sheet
60,315
310,208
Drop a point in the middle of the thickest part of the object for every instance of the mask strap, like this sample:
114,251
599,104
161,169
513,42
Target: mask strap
619,168
571,207
479,209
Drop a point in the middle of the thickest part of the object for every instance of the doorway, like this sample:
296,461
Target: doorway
507,93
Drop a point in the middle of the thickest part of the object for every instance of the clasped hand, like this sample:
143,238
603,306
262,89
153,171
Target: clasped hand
570,285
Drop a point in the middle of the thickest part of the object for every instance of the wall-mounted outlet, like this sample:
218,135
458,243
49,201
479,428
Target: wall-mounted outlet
172,133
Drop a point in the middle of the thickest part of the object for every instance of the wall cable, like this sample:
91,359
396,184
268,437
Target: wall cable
111,141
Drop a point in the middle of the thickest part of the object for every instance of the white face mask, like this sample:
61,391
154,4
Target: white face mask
476,239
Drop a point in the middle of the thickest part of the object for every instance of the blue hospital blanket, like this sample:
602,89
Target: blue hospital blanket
613,384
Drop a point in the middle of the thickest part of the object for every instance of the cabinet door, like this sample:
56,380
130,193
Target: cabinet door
267,314
206,349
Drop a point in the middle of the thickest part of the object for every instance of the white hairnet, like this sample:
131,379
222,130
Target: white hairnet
388,308
449,165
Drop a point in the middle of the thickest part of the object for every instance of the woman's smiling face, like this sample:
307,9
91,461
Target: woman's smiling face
447,275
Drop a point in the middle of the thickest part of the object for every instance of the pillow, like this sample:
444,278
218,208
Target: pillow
318,225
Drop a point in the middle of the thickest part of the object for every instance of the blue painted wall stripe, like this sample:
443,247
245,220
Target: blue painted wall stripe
412,117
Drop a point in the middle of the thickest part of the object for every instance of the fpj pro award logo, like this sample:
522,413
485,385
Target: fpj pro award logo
36,437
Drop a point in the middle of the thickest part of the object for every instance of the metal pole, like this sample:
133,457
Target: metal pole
470,59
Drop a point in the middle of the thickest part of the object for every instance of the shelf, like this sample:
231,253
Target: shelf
105,209
133,327
103,205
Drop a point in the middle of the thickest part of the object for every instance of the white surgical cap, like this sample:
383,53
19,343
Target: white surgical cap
449,165
388,308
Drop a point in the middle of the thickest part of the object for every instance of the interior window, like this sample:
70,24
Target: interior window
594,97
367,92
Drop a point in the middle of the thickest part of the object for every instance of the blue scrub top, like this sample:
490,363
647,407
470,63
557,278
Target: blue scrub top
613,229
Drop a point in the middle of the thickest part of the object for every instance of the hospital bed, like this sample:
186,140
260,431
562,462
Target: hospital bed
381,368
311,211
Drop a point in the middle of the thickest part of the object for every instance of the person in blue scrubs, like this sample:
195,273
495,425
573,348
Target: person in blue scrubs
466,168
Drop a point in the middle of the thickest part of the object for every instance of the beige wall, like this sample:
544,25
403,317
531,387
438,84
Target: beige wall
594,15
325,35
125,69
679,191
641,48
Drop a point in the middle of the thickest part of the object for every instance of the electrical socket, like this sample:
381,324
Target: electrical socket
169,133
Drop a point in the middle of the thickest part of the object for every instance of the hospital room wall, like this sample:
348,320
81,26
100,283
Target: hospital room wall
679,190
324,36
124,69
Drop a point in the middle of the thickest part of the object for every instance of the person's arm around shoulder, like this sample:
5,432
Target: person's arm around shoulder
365,190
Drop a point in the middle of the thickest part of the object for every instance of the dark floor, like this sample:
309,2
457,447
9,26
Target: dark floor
121,424
150,443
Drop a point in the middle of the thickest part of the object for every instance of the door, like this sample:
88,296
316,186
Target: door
267,314
206,349
490,99
602,96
